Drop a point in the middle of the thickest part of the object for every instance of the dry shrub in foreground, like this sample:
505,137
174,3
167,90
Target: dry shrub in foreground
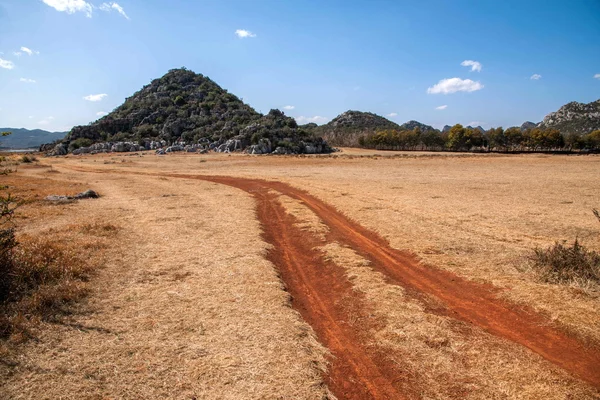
41,279
562,263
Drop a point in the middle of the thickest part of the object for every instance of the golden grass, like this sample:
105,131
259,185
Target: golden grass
479,216
211,318
186,305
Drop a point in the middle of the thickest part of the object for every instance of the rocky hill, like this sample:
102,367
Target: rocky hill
188,111
476,128
346,128
528,125
574,117
411,125
21,138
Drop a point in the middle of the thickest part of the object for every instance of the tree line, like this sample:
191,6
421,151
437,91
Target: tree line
459,138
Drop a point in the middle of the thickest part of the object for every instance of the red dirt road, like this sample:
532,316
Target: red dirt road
318,290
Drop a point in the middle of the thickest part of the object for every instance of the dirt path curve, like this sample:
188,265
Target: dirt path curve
464,300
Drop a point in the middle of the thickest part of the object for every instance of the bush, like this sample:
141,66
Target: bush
28,159
568,264
81,142
39,278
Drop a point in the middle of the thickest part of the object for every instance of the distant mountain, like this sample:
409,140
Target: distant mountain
528,125
411,125
22,138
574,117
183,108
447,128
479,128
348,127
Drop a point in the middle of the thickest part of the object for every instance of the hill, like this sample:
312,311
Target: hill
185,110
574,117
346,128
528,125
22,138
411,125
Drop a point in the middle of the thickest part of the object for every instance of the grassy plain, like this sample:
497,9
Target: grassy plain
187,305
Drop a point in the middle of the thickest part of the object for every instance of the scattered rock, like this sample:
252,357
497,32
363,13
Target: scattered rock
88,194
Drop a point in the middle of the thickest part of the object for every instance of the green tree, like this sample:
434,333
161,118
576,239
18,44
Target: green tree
592,140
496,138
456,137
514,137
432,140
573,141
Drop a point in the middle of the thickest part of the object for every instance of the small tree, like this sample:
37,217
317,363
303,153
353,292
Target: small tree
5,134
456,137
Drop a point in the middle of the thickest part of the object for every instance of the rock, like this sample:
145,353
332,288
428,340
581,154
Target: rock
174,148
88,194
59,150
59,199
281,150
161,152
309,149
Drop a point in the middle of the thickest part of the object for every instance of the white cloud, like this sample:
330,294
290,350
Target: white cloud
535,77
392,114
288,107
6,64
113,6
101,113
30,117
27,80
71,6
17,53
475,65
95,97
244,33
597,76
46,121
29,51
442,107
453,85
305,120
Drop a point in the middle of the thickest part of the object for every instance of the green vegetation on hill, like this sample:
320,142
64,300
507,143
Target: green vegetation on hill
346,128
574,118
185,107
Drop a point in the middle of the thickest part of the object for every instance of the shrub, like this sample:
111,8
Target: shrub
562,263
28,159
81,142
39,278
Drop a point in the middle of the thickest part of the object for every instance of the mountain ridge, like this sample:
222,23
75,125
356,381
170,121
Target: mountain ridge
574,117
22,138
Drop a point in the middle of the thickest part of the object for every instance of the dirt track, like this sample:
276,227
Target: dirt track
321,294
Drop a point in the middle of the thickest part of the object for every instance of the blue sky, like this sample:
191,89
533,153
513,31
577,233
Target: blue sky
401,59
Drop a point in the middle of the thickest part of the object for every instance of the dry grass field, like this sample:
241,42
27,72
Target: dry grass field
362,274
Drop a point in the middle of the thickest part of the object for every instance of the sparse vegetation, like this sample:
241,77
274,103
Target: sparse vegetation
27,159
39,277
563,263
